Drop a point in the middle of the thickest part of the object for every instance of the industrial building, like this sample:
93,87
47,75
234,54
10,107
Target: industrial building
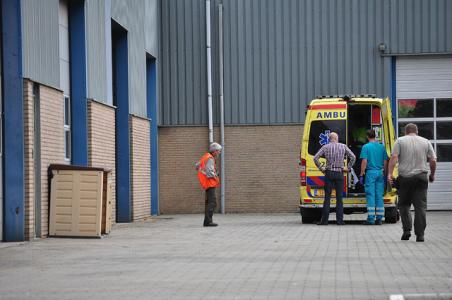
124,85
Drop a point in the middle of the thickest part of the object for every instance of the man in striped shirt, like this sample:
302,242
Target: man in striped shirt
334,153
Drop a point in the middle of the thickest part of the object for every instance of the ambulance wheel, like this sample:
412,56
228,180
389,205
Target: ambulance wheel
391,215
310,215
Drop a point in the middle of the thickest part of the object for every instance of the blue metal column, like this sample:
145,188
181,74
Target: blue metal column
13,128
77,53
151,87
121,100
393,92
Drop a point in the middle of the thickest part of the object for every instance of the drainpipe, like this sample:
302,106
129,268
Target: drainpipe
220,47
209,72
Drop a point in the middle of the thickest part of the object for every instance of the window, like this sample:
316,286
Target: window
425,129
444,108
67,128
433,118
415,108
319,131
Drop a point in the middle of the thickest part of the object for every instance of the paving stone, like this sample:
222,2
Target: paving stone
257,256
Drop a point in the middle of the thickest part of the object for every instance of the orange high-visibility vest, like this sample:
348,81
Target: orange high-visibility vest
207,182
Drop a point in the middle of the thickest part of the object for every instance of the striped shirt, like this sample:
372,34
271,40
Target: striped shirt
334,153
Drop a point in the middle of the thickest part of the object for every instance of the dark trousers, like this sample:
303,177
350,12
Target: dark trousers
334,180
211,203
413,190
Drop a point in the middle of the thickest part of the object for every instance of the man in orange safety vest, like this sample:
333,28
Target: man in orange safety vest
209,180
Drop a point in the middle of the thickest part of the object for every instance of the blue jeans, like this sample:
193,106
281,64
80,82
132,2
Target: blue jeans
374,186
334,180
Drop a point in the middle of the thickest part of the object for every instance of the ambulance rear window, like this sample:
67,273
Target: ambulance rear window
318,135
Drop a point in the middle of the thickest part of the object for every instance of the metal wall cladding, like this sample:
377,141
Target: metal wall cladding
278,55
97,52
40,48
139,18
142,38
183,89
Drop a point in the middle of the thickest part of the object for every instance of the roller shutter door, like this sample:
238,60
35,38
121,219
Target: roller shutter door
424,97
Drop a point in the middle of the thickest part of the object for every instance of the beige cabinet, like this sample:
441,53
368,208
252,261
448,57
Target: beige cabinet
80,201
106,203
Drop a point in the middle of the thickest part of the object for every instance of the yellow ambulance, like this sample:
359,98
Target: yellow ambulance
350,117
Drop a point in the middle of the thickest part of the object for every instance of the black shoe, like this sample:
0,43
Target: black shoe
368,223
378,222
322,223
340,223
210,225
419,238
406,236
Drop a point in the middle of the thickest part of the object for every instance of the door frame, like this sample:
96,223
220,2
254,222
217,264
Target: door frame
37,158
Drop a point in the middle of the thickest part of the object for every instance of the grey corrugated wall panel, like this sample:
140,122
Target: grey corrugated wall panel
96,50
131,15
279,54
420,26
183,62
151,27
40,46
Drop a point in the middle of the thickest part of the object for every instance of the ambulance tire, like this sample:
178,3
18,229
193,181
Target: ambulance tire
310,215
391,215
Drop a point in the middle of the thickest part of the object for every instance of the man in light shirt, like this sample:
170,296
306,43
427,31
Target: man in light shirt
416,157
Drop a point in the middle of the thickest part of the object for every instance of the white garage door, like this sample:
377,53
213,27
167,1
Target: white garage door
424,97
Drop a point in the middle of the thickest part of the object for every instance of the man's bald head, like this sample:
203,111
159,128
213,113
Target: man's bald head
333,137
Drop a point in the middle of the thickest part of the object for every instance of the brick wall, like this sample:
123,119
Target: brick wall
52,143
102,142
29,159
140,167
262,173
179,149
52,150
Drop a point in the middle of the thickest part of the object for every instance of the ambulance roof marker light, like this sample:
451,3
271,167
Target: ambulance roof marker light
346,98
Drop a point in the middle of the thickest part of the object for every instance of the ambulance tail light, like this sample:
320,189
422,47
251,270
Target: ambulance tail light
303,172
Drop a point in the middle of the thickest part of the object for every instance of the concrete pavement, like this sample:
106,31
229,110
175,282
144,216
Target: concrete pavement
246,257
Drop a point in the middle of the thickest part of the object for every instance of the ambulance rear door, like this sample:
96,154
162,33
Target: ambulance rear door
325,118
388,131
388,127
